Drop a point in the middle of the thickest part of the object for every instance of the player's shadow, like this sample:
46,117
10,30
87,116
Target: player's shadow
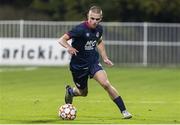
39,121
33,121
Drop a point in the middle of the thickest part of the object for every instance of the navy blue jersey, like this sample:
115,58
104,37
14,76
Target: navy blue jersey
85,39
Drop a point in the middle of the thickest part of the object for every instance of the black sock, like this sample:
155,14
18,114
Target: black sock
119,102
70,90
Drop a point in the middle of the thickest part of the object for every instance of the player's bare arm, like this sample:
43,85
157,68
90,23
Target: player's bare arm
102,51
63,41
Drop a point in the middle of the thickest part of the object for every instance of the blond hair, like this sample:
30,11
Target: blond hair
96,9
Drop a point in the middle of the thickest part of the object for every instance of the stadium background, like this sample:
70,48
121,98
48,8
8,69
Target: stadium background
137,34
135,44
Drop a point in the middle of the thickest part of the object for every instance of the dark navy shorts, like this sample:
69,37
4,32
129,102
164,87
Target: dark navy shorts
80,77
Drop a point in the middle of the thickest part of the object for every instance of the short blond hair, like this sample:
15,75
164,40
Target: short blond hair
96,9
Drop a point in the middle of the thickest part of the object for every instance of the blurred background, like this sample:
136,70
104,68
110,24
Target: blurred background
75,10
136,32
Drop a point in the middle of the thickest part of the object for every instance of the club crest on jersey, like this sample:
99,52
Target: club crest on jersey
87,34
97,34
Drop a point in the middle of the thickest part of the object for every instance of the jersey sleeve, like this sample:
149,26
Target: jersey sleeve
100,37
75,32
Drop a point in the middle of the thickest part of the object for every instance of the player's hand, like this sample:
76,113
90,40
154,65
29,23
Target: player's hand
72,50
108,62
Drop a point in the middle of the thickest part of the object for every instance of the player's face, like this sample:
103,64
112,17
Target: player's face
94,19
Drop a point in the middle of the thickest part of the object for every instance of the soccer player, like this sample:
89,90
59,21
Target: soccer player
85,48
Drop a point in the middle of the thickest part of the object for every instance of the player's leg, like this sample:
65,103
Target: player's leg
68,95
101,77
80,79
80,92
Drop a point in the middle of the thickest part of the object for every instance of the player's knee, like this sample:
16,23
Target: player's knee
106,85
84,93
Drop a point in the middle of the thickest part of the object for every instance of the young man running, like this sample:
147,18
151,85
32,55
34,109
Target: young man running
86,40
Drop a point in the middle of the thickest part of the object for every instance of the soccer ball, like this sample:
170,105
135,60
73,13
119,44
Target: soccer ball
67,112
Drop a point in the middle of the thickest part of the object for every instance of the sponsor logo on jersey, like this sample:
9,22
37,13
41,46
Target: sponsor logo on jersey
90,45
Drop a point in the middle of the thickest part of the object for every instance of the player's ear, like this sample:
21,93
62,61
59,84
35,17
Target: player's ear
101,16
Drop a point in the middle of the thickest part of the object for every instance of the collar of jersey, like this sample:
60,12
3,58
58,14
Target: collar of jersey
87,25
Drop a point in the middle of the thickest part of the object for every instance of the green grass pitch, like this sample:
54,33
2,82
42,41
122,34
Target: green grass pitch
31,96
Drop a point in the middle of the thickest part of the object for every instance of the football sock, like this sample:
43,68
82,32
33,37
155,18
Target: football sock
119,102
70,90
